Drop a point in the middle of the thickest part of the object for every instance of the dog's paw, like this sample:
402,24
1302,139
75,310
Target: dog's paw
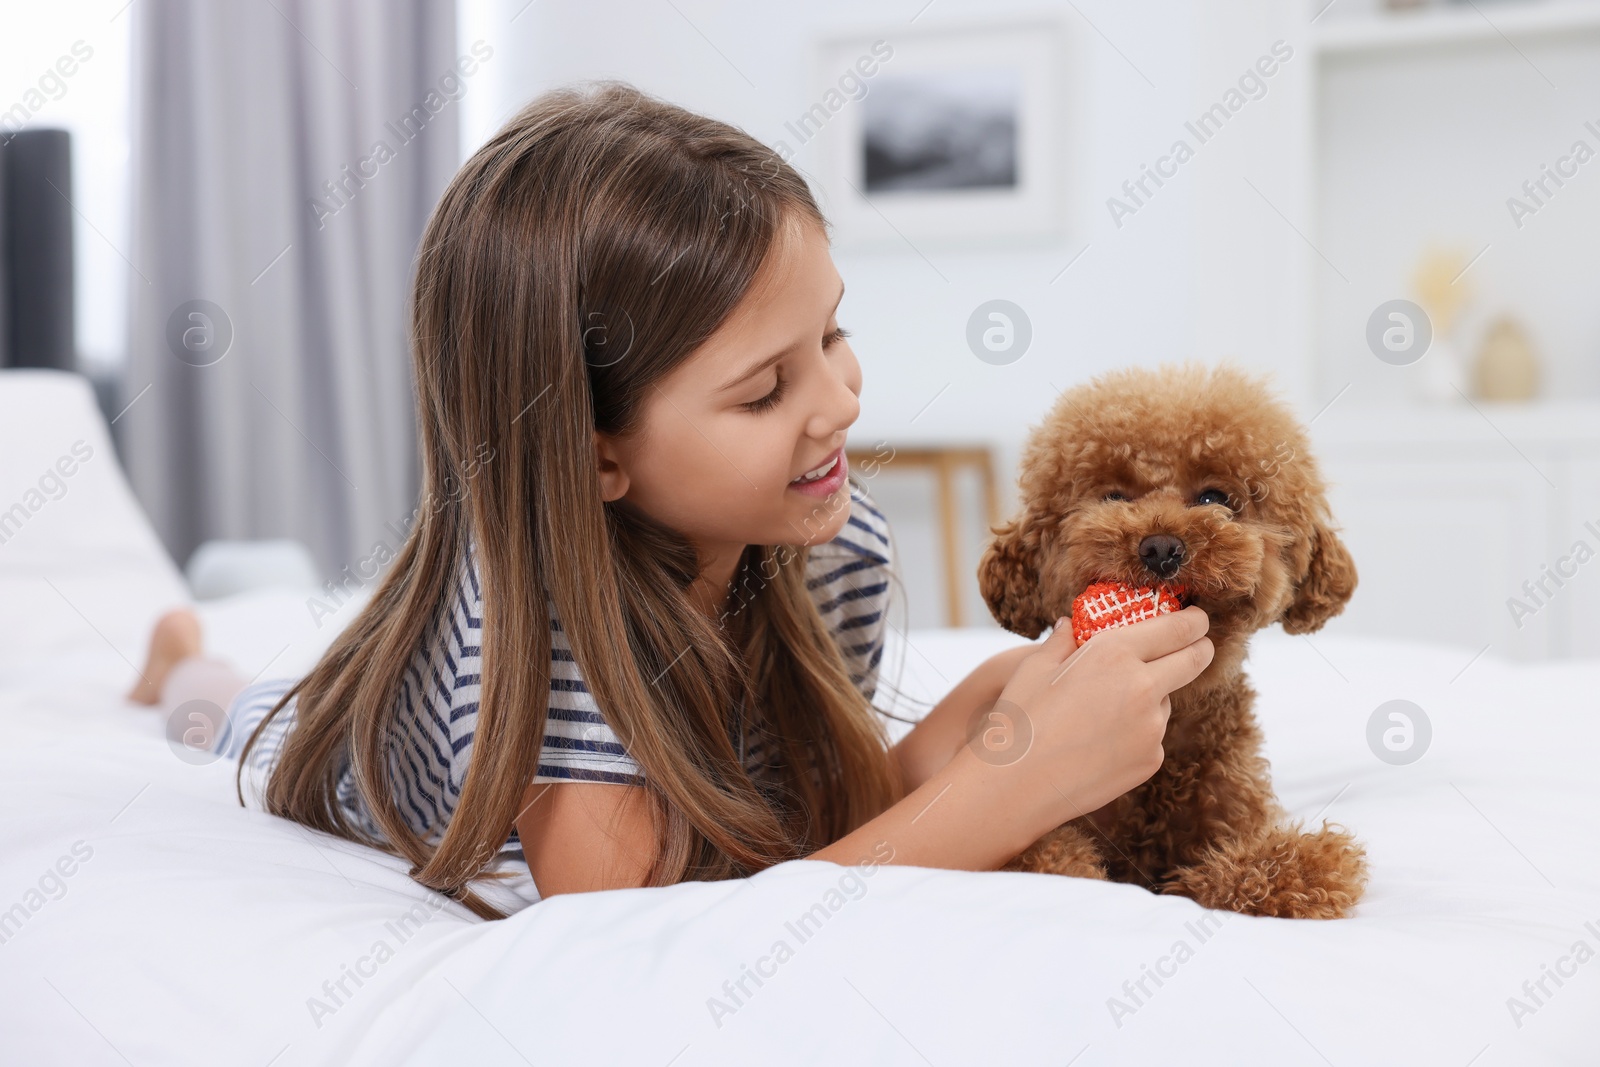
1284,873
1065,850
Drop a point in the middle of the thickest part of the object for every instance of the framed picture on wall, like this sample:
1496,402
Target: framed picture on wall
944,135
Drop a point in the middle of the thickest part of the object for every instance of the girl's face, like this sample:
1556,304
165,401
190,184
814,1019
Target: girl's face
727,436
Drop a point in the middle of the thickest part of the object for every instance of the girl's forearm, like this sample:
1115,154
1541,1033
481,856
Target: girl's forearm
934,740
947,818
947,822
942,732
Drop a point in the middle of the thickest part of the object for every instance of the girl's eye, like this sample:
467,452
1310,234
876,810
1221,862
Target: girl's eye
769,401
1212,496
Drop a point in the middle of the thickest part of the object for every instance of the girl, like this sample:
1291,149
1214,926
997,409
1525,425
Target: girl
636,627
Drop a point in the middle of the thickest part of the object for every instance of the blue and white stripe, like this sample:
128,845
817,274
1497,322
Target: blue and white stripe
437,708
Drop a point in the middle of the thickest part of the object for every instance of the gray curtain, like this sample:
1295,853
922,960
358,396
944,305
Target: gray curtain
287,153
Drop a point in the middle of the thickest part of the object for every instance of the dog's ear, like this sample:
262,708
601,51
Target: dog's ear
1325,588
1008,577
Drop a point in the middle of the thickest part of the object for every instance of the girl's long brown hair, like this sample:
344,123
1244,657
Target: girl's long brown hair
579,256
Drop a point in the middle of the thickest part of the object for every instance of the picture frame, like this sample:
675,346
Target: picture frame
944,135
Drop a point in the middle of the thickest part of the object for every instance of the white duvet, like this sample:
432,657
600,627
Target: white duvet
146,918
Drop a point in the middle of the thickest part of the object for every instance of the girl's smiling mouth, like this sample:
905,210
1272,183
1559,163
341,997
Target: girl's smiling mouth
825,479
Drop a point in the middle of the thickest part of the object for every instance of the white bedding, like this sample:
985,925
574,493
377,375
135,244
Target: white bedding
193,931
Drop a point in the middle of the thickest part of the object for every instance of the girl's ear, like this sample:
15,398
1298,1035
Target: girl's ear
1325,588
608,460
1008,577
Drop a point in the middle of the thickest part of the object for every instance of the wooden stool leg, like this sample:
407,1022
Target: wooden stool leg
991,489
952,540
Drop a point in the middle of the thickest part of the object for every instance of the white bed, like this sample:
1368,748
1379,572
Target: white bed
191,931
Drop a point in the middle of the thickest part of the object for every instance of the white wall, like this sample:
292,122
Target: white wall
1206,269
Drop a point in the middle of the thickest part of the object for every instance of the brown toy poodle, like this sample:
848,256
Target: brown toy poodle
1200,480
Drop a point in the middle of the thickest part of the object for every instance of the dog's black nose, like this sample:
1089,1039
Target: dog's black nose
1162,554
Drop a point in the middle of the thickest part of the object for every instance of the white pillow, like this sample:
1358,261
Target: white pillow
82,574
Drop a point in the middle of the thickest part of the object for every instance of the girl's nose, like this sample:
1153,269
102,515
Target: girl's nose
840,403
839,409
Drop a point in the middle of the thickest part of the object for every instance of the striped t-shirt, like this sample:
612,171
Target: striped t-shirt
437,707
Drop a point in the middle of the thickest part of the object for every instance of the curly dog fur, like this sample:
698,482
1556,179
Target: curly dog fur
1206,825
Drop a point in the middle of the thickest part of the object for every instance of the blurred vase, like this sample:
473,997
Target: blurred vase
1506,368
1442,373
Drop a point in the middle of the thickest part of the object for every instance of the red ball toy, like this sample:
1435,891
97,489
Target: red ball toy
1106,605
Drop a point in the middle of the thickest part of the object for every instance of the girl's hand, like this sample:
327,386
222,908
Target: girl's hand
1075,728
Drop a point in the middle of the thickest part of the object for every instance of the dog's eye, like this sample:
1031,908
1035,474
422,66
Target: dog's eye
1212,496
1114,495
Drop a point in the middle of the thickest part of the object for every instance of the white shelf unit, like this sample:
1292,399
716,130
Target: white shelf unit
1451,513
1451,24
1422,124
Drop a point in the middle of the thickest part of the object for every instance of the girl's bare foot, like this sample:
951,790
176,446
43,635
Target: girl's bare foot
175,637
